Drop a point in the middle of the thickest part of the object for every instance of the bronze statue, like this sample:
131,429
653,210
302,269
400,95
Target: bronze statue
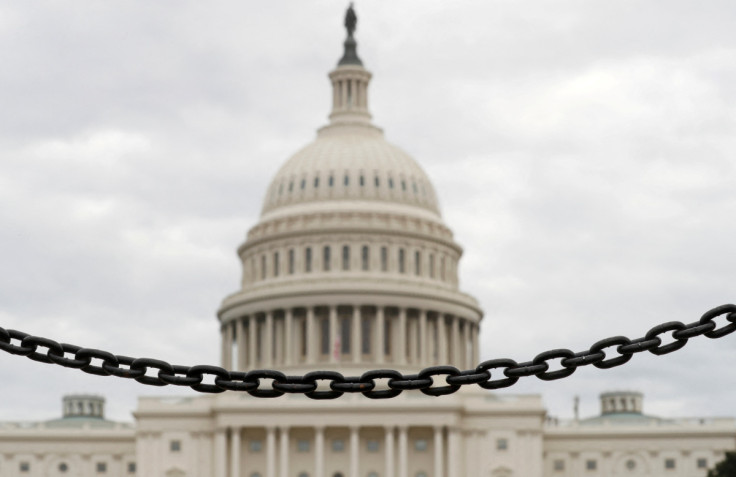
351,20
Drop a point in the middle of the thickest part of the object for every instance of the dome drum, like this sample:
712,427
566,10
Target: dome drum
351,337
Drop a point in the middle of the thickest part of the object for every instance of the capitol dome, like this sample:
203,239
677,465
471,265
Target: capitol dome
350,162
350,263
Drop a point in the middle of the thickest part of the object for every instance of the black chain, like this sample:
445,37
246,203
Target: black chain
252,382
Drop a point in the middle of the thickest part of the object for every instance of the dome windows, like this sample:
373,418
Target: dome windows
390,183
403,185
417,263
362,180
326,258
316,182
365,257
275,264
303,184
291,261
377,181
346,257
346,182
402,261
331,181
308,259
384,259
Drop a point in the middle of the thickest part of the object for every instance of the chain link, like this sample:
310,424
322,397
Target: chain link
267,383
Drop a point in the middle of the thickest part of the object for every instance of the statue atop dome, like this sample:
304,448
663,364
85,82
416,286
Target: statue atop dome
351,20
350,57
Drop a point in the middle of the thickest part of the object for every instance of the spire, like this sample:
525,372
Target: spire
350,56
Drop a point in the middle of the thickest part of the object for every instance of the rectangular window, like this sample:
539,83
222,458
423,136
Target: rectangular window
346,325
25,467
101,467
302,445
417,263
366,332
502,444
326,258
591,464
702,463
347,179
325,336
384,259
365,257
442,268
308,259
338,445
256,446
372,445
346,257
669,464
291,261
559,465
175,446
402,261
131,467
263,267
362,181
331,181
420,445
275,264
316,182
431,265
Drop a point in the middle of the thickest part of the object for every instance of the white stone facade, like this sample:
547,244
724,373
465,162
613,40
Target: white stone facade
351,268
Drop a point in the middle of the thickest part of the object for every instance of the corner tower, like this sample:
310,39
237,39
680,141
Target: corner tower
350,265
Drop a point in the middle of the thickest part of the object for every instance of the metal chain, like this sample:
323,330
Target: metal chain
252,382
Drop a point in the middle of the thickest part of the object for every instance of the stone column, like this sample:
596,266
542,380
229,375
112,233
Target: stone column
288,337
356,332
235,452
267,345
220,453
354,447
312,344
453,452
227,345
464,345
252,345
270,451
401,335
423,339
403,451
319,451
379,342
439,451
284,451
442,339
242,361
334,353
389,451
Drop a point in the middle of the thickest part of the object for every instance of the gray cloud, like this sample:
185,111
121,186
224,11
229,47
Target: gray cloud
583,154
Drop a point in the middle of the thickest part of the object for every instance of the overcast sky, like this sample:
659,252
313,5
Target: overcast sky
584,153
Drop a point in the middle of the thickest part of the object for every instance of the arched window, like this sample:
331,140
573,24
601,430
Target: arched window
365,257
346,257
326,258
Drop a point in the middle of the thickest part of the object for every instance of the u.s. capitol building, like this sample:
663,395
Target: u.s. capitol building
352,268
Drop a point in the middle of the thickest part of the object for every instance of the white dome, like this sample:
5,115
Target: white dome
350,162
